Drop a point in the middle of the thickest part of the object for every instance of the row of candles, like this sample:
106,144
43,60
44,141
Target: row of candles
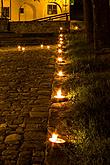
59,96
22,48
54,139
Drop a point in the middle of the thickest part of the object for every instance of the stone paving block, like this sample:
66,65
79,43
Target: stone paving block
34,136
40,109
9,162
38,114
36,127
36,120
10,154
32,145
13,138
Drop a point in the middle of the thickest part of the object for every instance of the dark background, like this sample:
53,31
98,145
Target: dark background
76,10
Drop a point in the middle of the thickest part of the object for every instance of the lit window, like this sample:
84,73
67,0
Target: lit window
6,11
52,9
21,10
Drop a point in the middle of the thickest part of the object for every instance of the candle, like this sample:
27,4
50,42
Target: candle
61,28
59,59
59,45
61,39
19,47
61,42
59,94
61,35
23,49
48,47
76,28
60,73
59,50
55,139
42,46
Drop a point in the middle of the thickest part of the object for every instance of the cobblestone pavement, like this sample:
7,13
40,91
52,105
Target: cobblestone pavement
25,91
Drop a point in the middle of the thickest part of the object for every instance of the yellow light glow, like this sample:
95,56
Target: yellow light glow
48,47
61,42
61,39
42,46
19,47
60,73
61,28
59,94
59,50
61,35
59,45
60,59
76,28
55,139
23,49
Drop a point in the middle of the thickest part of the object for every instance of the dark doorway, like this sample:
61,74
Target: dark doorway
76,10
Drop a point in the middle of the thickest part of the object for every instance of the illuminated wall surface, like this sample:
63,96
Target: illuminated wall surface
25,10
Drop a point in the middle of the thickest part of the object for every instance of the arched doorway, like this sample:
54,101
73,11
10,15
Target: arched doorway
27,12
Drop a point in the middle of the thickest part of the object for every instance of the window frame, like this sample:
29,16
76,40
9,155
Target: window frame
21,10
51,9
6,11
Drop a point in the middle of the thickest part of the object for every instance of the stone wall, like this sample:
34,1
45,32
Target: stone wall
38,27
4,25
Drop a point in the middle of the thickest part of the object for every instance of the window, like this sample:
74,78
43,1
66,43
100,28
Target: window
6,11
52,9
21,10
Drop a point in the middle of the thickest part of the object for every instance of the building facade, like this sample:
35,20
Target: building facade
27,10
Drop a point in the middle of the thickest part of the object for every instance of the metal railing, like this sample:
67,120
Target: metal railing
55,17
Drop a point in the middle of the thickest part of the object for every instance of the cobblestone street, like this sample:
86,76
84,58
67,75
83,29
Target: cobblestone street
25,92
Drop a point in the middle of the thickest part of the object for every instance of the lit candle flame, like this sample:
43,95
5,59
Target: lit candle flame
42,45
48,47
59,94
60,73
60,59
59,51
61,28
19,47
61,35
61,39
55,139
76,28
23,49
61,42
59,45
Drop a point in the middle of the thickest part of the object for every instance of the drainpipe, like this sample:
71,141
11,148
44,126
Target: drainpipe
10,9
1,8
94,20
